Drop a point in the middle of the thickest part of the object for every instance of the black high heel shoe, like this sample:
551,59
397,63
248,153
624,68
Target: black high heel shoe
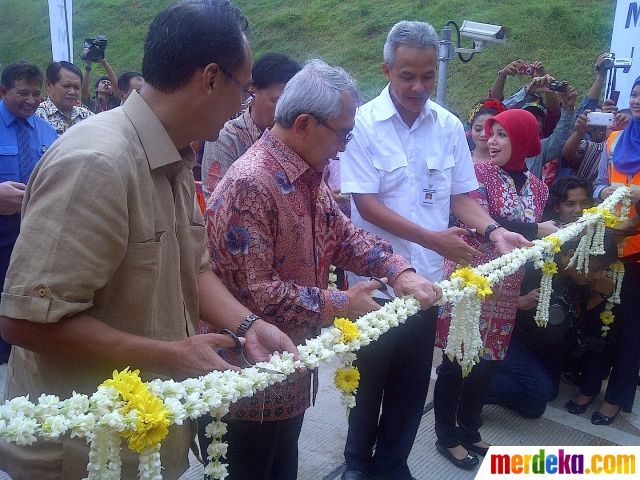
599,419
575,408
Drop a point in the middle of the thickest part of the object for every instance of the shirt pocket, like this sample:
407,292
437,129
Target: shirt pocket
440,168
393,173
9,163
133,287
440,163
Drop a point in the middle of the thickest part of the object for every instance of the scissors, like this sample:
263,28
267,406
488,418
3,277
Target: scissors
485,247
383,287
239,350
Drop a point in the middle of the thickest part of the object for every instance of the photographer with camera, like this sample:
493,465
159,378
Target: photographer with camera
583,154
527,94
530,374
592,97
552,145
104,99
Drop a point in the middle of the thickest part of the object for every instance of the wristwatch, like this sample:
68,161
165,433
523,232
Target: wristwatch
87,68
246,323
490,228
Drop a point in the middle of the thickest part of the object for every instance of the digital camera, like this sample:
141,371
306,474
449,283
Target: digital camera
558,86
582,343
94,48
612,62
608,62
527,70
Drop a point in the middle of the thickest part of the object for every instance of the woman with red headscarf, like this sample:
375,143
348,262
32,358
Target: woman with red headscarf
515,199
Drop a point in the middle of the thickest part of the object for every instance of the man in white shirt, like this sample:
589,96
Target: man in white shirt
407,167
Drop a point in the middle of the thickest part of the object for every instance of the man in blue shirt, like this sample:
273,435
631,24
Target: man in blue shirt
20,89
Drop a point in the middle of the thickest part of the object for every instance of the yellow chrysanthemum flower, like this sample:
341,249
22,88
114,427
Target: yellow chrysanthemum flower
610,220
152,418
471,279
557,243
127,383
617,266
152,425
348,328
607,317
347,378
550,267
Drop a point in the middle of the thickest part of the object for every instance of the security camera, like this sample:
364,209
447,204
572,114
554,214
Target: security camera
484,32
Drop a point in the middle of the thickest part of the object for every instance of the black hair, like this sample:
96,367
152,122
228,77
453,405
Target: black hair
610,250
20,70
104,77
125,80
273,68
53,70
190,35
488,106
558,191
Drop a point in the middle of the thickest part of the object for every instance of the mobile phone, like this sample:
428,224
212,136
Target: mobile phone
615,95
600,118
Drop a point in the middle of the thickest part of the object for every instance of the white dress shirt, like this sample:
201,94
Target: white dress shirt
414,170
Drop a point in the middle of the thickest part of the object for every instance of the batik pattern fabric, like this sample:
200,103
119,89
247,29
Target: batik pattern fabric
48,111
235,138
498,196
273,231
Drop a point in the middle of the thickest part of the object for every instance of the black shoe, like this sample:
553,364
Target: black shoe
353,475
467,463
599,419
575,408
475,448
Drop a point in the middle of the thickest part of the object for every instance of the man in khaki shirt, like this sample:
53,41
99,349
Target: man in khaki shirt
110,269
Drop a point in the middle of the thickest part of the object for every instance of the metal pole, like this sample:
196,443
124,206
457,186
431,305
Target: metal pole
445,54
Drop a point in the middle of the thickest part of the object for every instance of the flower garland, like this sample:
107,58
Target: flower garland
126,407
463,341
466,312
616,273
596,219
347,378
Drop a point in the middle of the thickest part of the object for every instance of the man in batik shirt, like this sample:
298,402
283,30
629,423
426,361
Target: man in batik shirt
274,230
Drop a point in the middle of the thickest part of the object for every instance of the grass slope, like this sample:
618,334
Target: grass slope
566,35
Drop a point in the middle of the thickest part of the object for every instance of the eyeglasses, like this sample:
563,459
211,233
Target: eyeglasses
249,96
344,140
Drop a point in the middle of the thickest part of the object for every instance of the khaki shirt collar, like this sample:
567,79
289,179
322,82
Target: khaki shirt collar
157,144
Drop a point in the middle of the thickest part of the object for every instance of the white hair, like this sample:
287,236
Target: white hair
315,90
